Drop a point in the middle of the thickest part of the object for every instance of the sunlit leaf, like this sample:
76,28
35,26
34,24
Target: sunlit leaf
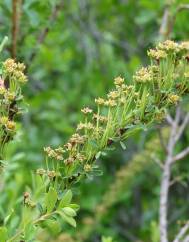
67,197
50,199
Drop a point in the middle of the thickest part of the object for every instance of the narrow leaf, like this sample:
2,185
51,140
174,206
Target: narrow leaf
68,219
50,200
74,206
98,155
69,211
65,201
53,226
123,146
7,218
3,234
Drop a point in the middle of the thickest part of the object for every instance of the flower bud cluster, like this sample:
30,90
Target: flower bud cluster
169,45
15,70
87,126
8,124
56,154
143,75
11,80
173,98
157,54
86,110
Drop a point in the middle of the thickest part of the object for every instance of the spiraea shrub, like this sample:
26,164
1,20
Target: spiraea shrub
12,79
123,111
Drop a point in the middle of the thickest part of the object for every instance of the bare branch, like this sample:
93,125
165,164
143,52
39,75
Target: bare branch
182,7
165,181
164,28
181,155
169,119
182,127
168,20
186,239
16,13
164,200
177,117
176,179
181,233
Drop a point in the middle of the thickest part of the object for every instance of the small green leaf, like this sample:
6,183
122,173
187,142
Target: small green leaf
40,208
97,172
50,199
109,148
39,186
97,156
7,218
104,153
123,146
68,219
76,207
29,232
3,234
53,226
69,211
66,199
93,143
107,239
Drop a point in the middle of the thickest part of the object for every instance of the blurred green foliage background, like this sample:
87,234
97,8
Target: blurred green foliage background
73,50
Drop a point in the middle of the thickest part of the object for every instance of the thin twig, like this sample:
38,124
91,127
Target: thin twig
182,7
181,155
52,18
157,161
182,127
165,28
175,135
169,119
181,233
186,239
176,179
168,20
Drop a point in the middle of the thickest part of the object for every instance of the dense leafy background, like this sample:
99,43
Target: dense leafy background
88,44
